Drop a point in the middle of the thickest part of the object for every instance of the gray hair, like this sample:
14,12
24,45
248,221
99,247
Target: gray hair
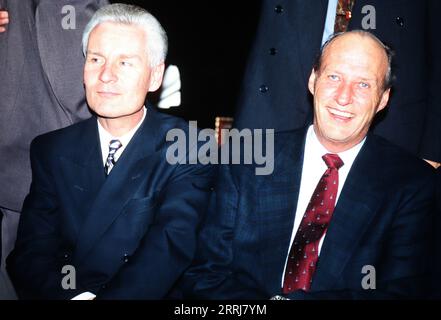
130,15
389,78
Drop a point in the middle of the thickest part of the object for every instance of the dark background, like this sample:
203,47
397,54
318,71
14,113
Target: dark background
209,42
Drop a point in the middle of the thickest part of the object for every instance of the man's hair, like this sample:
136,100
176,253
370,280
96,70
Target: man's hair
389,76
132,15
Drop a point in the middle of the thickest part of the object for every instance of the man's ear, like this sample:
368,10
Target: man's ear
311,82
156,75
384,100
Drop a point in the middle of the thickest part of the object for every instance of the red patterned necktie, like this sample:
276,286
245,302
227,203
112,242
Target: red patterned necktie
303,256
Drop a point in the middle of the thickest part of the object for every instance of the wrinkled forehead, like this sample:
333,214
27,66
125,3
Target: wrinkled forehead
118,37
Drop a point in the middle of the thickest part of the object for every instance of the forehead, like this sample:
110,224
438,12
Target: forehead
356,54
118,38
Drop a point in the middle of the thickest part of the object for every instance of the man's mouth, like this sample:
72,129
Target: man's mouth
107,94
340,115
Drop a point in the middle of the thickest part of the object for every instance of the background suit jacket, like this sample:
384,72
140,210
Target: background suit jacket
436,264
274,90
41,67
383,218
129,236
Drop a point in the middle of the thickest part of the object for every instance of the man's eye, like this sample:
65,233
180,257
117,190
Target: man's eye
333,77
363,85
94,60
125,64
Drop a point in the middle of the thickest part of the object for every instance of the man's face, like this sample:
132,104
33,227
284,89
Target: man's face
348,91
117,73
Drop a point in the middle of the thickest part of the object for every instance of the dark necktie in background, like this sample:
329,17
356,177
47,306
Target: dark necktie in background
343,15
303,256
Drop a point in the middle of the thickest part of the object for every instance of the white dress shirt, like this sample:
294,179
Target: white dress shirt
106,137
312,171
330,20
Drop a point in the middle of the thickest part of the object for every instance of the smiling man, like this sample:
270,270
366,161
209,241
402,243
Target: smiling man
350,84
345,214
107,216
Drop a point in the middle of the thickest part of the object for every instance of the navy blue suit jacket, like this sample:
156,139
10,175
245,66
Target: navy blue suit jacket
436,266
275,93
383,218
129,236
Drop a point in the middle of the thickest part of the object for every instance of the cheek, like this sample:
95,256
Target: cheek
366,105
326,95
89,77
133,81
143,84
136,88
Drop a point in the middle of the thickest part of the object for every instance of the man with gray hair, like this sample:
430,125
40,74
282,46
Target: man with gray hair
107,217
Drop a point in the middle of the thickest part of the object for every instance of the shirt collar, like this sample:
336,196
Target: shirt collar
105,136
348,156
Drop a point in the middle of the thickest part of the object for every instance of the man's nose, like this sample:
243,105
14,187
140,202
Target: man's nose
344,94
108,73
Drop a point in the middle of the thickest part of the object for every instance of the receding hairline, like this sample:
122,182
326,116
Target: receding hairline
360,34
117,23
125,14
389,75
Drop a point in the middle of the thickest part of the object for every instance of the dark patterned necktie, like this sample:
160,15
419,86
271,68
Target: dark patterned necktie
303,256
343,15
114,145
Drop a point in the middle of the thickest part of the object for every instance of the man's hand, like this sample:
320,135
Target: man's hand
433,163
4,20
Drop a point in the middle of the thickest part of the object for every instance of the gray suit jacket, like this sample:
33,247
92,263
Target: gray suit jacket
41,83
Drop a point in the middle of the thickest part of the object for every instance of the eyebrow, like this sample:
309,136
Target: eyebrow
94,53
367,79
124,56
358,78
130,56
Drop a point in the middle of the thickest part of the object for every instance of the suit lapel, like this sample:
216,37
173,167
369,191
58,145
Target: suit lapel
282,203
82,167
356,206
93,176
120,185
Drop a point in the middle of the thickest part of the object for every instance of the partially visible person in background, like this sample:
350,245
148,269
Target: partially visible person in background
290,33
436,265
6,290
41,90
4,19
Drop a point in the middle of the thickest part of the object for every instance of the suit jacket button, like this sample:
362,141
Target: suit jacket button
278,9
400,21
272,51
125,258
66,256
263,88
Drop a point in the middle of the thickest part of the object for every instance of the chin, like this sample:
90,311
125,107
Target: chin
106,112
338,136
